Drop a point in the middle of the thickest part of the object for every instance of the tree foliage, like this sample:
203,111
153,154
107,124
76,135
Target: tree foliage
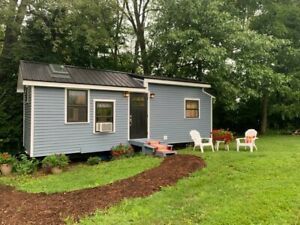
248,50
216,42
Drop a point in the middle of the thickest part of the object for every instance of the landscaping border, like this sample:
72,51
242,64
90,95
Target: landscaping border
18,207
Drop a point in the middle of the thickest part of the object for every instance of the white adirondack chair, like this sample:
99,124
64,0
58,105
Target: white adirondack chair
247,141
198,141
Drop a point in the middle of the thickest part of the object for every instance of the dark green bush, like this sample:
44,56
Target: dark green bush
93,160
25,165
51,161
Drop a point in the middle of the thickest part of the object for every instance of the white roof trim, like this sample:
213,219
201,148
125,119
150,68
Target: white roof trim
207,93
176,83
82,86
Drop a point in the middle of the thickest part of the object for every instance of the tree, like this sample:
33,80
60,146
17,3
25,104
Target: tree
80,33
281,19
136,12
15,13
207,41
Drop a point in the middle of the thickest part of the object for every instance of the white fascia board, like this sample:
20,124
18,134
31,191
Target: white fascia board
83,86
207,93
176,83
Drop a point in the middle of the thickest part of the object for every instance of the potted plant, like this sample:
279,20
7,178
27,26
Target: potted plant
121,150
55,163
222,135
6,163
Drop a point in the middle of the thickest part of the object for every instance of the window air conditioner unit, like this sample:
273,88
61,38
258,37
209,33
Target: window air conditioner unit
104,127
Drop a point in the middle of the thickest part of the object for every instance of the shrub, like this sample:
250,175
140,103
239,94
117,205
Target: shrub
6,158
25,165
93,160
59,161
122,150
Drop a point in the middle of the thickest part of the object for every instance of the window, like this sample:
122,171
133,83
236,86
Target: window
192,108
77,106
104,113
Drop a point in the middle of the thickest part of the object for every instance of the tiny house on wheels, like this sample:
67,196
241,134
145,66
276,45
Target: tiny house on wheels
69,109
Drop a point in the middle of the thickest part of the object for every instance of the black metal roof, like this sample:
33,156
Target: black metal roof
36,71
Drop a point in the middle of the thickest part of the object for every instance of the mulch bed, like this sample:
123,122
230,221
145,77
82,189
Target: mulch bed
18,207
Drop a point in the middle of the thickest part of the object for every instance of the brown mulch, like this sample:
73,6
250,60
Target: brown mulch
18,207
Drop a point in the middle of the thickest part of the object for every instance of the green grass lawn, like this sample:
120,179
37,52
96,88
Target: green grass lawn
83,176
235,188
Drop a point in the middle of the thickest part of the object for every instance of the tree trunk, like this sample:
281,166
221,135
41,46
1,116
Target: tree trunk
264,114
120,16
142,43
136,56
136,14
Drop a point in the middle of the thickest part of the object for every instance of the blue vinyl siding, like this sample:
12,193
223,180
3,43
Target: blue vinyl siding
167,113
52,135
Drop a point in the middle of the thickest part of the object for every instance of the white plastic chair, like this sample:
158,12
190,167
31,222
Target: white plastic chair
198,141
251,136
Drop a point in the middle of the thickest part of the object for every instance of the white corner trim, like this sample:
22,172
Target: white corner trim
32,123
94,114
184,107
83,86
66,103
148,115
128,118
211,108
66,107
176,83
207,93
24,121
211,114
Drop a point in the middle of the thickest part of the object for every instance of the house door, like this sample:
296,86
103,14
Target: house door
138,115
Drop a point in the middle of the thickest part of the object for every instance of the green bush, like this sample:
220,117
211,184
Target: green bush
93,160
6,158
25,165
51,161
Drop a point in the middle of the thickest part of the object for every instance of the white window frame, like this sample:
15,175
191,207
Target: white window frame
66,106
184,104
114,115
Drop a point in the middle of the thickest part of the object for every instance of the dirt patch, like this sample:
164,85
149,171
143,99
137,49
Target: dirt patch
18,207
